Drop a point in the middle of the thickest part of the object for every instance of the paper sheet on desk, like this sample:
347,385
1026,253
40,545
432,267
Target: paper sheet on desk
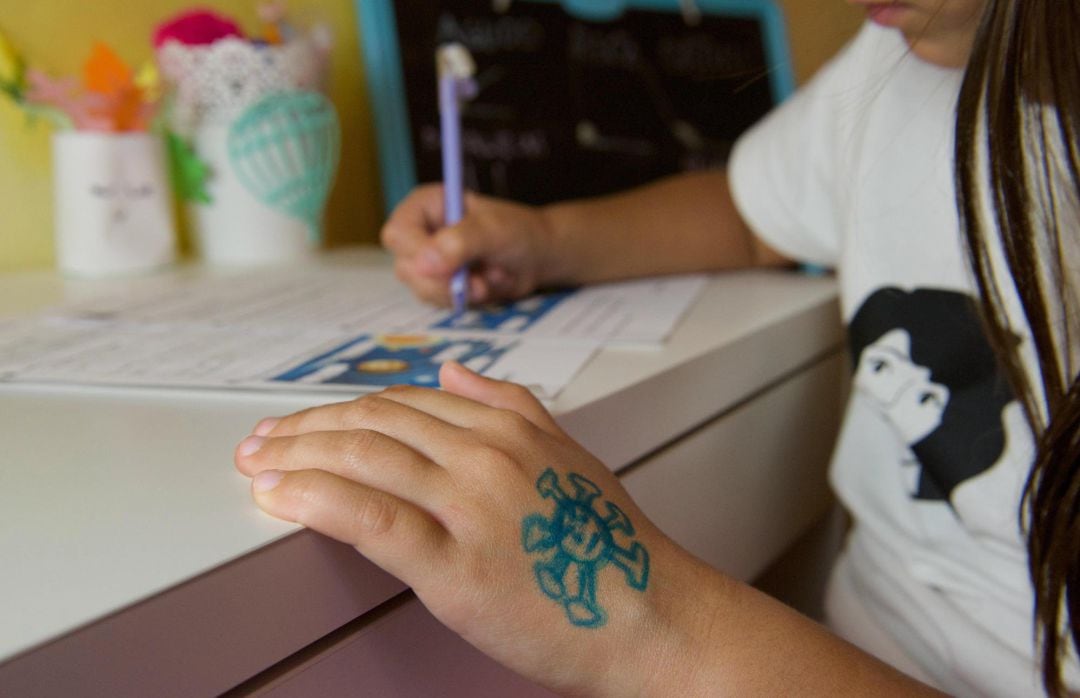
634,312
628,313
332,331
276,359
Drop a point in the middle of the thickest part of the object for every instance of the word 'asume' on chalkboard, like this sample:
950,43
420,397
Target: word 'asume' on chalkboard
571,106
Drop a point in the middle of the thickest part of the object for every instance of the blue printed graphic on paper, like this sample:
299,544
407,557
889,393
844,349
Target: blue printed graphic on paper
510,318
576,543
394,360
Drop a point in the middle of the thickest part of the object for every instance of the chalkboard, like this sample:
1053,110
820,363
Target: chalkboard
577,97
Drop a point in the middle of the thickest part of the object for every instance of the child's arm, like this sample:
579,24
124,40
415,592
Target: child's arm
681,224
516,538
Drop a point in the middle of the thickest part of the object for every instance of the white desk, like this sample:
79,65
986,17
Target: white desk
134,562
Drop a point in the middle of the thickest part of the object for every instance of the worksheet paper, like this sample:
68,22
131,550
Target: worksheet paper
331,329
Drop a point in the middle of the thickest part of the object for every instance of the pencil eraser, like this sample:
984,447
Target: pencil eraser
455,60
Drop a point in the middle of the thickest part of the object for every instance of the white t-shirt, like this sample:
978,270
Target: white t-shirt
855,172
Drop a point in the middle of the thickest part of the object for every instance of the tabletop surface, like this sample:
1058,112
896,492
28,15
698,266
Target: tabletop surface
111,495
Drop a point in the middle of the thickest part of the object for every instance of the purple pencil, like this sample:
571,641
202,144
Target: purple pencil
455,69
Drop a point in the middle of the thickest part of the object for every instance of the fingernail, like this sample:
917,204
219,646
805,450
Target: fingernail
265,426
267,480
250,445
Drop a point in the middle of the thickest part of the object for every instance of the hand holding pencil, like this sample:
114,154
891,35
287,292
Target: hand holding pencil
450,253
506,247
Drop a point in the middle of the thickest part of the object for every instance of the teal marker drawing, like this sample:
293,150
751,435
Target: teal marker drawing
576,542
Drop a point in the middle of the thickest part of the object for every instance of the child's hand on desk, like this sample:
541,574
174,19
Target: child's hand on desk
507,530
504,244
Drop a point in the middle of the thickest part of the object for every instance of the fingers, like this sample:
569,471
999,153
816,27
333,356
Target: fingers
420,431
412,221
416,231
360,455
431,281
458,380
420,417
386,439
408,234
472,402
428,287
395,534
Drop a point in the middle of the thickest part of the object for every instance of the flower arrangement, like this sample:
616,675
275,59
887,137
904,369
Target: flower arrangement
236,120
112,212
110,97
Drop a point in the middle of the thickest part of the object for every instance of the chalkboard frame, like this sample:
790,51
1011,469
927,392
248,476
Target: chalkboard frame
381,55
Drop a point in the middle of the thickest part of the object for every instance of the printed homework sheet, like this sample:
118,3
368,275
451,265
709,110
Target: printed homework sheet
633,312
636,312
271,358
335,330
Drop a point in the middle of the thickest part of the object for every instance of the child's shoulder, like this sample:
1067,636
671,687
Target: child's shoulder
875,59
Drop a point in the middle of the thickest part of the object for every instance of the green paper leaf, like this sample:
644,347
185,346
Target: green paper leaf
189,172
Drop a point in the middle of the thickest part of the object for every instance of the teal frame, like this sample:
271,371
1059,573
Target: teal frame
381,55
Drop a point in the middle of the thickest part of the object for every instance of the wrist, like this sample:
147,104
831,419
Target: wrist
686,611
556,259
663,646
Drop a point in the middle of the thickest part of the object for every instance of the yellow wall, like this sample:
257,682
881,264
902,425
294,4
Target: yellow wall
56,37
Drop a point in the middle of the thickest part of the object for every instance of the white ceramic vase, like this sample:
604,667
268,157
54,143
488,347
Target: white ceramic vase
112,203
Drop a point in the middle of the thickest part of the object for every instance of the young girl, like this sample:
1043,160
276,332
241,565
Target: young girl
962,486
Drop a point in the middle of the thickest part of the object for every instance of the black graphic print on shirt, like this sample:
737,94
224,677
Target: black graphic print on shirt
923,360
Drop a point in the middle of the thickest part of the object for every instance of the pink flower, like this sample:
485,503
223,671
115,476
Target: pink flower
195,28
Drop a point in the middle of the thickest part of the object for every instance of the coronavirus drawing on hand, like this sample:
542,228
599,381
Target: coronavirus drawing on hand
576,542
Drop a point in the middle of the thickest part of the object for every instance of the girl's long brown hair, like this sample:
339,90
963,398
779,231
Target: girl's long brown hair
1018,188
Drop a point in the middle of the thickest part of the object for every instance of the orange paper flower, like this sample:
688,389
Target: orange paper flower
121,101
105,73
107,100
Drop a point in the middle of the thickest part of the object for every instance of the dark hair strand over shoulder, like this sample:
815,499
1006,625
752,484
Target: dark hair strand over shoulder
1018,194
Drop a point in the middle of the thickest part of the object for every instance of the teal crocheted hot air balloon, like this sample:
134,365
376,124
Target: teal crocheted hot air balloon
285,150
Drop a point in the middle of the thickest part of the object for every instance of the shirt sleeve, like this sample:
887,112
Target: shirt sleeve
783,171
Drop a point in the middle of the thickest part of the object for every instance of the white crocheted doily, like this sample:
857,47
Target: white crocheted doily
215,82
